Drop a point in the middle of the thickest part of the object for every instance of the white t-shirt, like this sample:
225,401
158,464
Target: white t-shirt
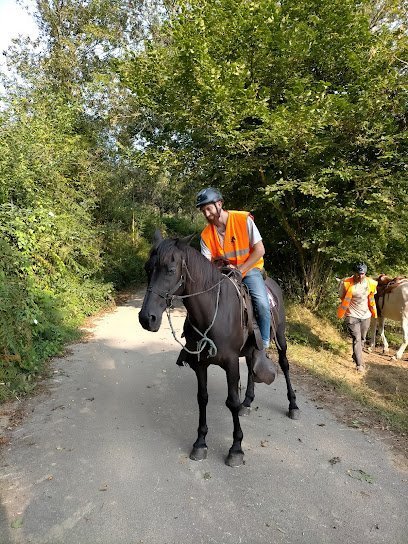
359,300
253,233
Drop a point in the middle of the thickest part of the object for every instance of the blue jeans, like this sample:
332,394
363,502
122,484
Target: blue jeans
256,287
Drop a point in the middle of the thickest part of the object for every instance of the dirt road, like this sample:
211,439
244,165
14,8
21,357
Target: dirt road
102,457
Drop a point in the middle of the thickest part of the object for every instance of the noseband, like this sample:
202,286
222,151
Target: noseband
169,295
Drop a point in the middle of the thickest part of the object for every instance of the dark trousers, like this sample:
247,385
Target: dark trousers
358,329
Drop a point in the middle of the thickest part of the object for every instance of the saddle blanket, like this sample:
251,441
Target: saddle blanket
272,301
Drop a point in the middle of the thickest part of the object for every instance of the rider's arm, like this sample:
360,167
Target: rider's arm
205,251
258,251
255,242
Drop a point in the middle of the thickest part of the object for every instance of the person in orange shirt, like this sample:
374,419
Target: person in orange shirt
234,237
357,306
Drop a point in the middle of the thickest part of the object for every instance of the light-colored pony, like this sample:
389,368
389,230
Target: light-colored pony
392,303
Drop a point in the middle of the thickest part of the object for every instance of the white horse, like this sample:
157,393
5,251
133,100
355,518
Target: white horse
391,305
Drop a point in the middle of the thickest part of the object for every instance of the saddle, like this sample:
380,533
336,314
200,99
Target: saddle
248,319
386,284
264,370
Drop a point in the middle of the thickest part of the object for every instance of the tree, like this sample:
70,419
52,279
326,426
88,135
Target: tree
53,159
295,109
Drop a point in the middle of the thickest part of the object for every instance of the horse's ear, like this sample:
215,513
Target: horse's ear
186,239
157,238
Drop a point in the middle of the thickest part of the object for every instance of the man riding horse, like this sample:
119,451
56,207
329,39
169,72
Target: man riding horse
218,329
232,236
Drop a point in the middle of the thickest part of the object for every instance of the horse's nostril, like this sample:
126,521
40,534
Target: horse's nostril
153,318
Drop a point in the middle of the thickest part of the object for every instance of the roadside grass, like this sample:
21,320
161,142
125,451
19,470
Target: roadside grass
57,323
318,347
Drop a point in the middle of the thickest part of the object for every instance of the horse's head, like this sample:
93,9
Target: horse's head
165,270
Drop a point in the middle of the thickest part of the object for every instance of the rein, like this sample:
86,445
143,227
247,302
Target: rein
201,344
171,296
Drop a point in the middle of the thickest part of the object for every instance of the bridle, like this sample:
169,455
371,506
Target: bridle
169,297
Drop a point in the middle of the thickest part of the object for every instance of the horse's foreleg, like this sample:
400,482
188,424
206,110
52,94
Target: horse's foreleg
236,455
404,344
250,390
373,332
199,451
381,322
294,412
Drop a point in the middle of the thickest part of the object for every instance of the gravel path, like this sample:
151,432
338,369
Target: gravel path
102,457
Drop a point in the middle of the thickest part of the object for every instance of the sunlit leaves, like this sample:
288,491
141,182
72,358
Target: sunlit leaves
294,108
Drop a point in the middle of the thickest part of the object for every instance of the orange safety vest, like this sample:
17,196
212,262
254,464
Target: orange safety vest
345,301
236,240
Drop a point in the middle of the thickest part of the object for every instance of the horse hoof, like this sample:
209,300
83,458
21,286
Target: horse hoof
235,460
244,411
294,413
198,454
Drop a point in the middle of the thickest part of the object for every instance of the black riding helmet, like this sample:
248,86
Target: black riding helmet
208,196
360,268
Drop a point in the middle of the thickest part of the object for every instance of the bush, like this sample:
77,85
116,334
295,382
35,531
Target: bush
124,259
39,313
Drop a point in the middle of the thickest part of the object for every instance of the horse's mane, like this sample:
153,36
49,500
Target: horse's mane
202,272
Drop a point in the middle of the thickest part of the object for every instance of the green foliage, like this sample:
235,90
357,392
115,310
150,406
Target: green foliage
51,274
39,312
297,111
126,247
31,324
124,259
180,225
16,319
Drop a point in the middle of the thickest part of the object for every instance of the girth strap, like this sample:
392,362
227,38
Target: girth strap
249,324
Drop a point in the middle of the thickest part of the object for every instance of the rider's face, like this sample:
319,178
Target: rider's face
211,211
359,277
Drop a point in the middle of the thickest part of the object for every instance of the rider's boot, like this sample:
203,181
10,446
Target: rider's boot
263,368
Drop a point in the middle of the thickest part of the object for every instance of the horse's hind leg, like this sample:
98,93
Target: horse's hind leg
294,412
404,344
199,451
250,390
236,455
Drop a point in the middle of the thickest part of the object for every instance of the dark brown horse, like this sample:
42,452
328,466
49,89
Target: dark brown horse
213,330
